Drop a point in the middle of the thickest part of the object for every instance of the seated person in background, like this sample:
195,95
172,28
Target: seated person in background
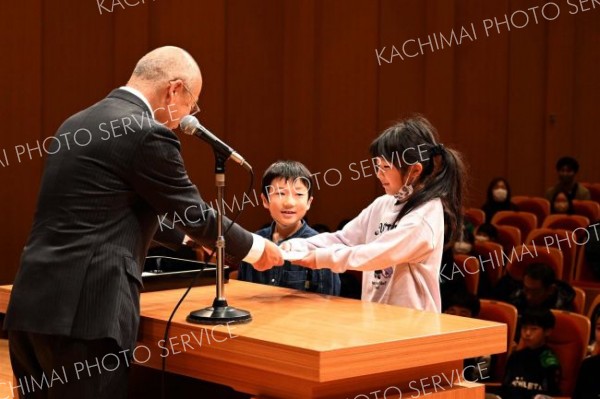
561,204
567,168
498,198
486,232
588,383
592,251
287,194
594,347
541,289
465,304
535,369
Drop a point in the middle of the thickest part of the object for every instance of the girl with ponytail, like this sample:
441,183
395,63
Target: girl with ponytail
398,240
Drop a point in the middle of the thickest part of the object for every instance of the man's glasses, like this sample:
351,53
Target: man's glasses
195,108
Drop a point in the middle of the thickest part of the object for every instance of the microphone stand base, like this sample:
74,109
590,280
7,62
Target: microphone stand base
219,313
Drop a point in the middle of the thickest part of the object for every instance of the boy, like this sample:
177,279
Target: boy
287,194
535,369
463,303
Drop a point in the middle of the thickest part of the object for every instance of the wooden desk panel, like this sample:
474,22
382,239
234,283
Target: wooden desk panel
302,345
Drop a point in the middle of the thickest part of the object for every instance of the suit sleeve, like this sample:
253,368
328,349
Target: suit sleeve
159,176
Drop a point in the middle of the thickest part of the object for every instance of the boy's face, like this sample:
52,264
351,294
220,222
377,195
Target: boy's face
534,336
288,201
459,311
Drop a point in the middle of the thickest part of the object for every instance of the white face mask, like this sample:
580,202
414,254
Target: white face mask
405,191
462,247
481,238
500,194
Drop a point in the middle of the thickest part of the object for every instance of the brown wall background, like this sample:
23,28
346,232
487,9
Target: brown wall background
300,79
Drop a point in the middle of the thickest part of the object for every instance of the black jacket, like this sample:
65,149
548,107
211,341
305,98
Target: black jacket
99,207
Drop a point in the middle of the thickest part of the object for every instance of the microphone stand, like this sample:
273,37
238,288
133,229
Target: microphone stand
220,312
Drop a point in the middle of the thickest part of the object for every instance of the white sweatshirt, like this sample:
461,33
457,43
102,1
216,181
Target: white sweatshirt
407,256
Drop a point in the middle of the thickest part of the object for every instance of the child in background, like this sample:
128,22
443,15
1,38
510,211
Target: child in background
398,240
465,304
535,369
287,194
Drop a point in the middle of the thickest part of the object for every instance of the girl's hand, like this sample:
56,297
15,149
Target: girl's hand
310,261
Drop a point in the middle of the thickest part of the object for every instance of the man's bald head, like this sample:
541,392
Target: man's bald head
169,78
164,64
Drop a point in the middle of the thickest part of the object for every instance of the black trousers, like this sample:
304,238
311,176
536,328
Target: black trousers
53,367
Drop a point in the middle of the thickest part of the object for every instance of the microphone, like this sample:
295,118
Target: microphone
190,125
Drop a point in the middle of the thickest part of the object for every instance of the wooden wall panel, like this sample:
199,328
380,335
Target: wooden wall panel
439,72
526,101
254,93
20,112
560,64
586,86
299,79
481,97
346,118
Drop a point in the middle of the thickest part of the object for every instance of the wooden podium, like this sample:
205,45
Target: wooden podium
302,345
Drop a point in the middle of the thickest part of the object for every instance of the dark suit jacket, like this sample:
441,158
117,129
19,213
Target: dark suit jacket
99,207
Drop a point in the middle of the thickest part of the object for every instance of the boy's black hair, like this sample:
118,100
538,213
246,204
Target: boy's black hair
540,317
291,171
415,140
463,299
489,229
570,162
541,272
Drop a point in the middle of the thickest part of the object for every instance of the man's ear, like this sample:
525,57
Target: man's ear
265,200
547,332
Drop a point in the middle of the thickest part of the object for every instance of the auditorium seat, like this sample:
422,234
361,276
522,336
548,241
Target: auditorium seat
559,239
505,313
593,306
539,206
469,267
509,237
524,221
569,340
567,222
589,209
594,190
492,270
475,215
525,255
583,271
579,301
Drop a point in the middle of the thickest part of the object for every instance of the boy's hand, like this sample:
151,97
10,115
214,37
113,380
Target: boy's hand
271,257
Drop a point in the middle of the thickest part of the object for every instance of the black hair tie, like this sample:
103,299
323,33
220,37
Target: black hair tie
437,149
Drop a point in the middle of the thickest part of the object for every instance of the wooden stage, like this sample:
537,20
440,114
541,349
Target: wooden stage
302,345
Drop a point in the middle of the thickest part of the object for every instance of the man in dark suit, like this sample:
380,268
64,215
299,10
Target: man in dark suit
116,168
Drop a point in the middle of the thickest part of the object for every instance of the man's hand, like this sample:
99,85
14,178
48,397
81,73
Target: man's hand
271,257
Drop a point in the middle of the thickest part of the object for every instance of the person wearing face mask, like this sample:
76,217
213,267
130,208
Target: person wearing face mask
397,241
498,198
561,204
567,168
